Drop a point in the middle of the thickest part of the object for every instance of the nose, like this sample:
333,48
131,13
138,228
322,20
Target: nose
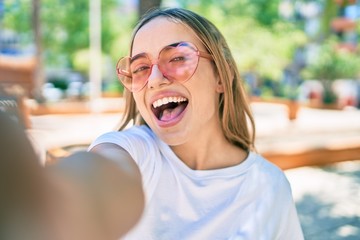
156,77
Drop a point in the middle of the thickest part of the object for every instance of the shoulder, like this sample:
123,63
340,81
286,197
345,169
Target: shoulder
264,166
268,173
274,192
139,141
135,134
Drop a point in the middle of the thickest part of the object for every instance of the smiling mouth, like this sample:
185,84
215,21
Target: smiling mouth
168,108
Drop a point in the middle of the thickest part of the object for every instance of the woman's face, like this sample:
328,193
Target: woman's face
177,112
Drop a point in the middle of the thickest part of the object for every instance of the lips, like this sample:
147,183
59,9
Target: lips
168,109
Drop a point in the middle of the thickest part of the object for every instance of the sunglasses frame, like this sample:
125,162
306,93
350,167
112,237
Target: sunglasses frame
122,74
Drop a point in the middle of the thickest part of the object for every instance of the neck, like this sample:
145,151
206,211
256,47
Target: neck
212,151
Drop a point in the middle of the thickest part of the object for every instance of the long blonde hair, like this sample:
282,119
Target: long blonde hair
236,118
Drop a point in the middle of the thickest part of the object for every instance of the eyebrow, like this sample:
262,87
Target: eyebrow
139,55
173,44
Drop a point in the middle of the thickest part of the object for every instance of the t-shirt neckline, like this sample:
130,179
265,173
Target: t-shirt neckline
231,171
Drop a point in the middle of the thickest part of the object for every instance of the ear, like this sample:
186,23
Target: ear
219,85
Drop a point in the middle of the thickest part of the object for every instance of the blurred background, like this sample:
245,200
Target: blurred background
290,49
300,61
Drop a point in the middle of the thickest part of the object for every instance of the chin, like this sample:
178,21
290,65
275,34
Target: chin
173,142
172,138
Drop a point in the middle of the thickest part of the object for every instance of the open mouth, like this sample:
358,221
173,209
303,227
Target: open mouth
168,108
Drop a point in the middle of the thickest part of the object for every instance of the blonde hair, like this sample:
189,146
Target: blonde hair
234,111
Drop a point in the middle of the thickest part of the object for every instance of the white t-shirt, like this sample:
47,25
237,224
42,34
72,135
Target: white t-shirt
251,200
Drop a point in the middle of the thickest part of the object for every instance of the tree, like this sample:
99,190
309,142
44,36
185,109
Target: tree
331,64
146,5
263,11
329,13
39,69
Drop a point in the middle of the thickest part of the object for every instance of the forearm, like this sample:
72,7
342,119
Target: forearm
98,193
84,196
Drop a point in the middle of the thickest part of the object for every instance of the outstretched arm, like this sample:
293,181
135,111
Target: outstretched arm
109,182
84,196
103,191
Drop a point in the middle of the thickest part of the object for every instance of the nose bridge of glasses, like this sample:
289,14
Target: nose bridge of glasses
155,72
157,77
154,63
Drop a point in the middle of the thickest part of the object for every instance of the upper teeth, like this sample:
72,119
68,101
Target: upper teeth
167,100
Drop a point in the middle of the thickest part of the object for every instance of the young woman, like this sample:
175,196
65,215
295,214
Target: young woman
192,138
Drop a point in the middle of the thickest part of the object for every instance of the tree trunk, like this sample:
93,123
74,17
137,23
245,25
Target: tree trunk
329,13
95,52
146,5
39,76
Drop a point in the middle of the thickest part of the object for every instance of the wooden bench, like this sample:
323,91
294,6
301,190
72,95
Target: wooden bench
20,72
288,156
292,105
316,137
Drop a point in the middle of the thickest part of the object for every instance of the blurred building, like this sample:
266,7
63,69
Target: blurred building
16,66
344,25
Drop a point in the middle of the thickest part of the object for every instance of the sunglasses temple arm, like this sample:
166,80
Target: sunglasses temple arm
124,73
205,55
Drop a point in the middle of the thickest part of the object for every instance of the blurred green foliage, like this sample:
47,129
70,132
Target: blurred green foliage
265,50
65,27
332,63
248,25
260,40
265,12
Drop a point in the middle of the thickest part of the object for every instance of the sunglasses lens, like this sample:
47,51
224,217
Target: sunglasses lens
176,64
133,73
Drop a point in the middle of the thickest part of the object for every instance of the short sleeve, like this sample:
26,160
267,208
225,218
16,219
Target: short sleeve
141,143
290,224
279,214
137,141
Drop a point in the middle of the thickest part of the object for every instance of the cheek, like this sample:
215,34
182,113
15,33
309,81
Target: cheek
205,95
140,103
206,81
